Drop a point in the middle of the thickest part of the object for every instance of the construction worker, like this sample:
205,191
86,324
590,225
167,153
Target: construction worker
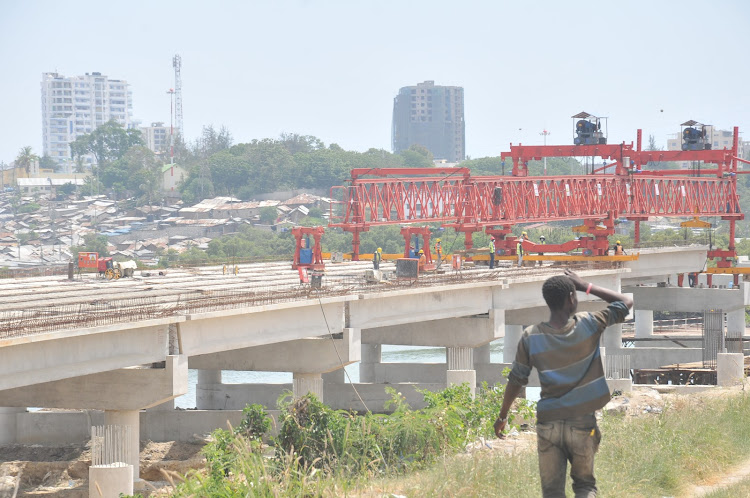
492,252
541,241
422,260
376,258
439,252
692,278
519,248
619,250
565,352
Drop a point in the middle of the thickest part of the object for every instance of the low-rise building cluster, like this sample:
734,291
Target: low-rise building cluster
36,230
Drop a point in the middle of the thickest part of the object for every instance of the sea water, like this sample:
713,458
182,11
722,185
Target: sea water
389,354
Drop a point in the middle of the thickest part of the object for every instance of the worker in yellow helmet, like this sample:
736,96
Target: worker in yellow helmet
422,260
376,258
438,252
519,248
492,252
619,250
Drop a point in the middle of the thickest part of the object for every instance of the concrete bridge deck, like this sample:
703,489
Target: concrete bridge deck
90,343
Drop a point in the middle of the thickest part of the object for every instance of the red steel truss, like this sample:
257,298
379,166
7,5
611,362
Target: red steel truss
486,201
473,204
453,197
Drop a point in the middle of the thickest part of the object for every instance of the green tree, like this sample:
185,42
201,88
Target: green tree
228,172
211,141
108,142
26,158
46,162
65,190
137,173
91,243
268,215
417,156
296,144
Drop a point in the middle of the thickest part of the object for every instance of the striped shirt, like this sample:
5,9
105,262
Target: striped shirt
569,364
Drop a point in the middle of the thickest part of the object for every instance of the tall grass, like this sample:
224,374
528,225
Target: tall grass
322,452
691,442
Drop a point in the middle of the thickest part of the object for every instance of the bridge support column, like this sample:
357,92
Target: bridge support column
644,323
612,338
513,334
482,355
371,356
304,383
461,367
130,418
735,327
208,389
335,377
8,424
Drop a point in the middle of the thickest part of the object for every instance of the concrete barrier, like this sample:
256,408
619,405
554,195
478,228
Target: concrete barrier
730,368
110,481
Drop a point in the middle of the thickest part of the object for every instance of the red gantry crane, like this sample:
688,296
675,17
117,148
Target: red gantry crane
453,197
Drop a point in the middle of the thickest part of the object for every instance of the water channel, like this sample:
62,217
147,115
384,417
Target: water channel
390,354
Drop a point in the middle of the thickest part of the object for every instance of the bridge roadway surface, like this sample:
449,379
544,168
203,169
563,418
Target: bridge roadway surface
40,292
53,329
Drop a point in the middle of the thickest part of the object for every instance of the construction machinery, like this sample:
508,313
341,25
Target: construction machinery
106,267
694,136
305,254
589,130
495,204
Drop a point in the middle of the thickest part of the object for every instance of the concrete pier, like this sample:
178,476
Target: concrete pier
128,418
730,368
114,367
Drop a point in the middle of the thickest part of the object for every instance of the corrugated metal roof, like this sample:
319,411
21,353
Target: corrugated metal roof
46,182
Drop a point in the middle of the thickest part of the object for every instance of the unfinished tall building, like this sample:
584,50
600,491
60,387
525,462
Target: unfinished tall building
432,116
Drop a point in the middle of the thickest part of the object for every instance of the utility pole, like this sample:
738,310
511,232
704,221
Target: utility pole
171,125
544,134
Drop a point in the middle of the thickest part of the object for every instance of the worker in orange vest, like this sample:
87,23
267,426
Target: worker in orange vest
619,250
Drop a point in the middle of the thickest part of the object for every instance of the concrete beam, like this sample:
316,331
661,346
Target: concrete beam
470,331
522,294
311,355
659,357
415,305
686,298
49,357
531,316
124,389
656,265
219,331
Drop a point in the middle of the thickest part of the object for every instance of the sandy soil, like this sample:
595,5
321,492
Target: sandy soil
62,471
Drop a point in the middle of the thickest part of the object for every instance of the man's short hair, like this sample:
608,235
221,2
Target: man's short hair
556,290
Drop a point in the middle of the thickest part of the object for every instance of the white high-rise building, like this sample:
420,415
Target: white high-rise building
156,137
77,105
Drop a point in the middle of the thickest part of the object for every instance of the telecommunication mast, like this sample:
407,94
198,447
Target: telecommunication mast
177,64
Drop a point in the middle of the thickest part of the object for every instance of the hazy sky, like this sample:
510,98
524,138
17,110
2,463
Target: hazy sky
332,68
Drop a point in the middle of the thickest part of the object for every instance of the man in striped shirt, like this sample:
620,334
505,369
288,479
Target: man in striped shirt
565,352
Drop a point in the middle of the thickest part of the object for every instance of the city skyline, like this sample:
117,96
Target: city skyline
265,68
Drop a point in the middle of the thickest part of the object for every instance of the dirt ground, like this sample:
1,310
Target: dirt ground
62,471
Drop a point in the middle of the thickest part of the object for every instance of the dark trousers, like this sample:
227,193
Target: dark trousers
492,260
575,440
